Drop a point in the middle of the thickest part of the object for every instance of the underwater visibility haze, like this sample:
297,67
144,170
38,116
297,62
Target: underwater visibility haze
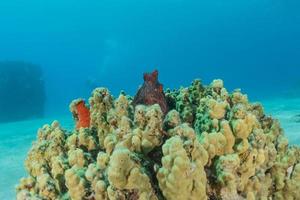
55,52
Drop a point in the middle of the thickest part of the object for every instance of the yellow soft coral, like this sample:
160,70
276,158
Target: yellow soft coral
101,102
176,165
124,173
217,109
227,177
76,183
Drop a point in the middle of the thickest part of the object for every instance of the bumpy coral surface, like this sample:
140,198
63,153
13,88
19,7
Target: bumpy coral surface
210,145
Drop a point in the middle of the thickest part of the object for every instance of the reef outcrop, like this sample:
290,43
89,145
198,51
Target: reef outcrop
212,145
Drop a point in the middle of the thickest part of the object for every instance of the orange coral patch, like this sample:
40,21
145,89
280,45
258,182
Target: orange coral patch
83,114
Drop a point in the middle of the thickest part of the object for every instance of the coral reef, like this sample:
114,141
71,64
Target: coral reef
22,91
212,144
151,92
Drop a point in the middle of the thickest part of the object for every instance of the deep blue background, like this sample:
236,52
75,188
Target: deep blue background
251,44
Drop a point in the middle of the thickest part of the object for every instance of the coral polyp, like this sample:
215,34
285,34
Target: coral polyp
212,144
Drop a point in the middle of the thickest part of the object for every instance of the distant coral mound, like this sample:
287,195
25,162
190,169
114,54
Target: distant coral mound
22,93
211,144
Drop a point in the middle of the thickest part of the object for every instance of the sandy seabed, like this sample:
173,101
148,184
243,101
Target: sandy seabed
16,139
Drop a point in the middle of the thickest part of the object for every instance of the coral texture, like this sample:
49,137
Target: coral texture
210,145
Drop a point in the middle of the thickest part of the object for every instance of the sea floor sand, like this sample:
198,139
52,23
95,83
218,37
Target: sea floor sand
16,139
288,113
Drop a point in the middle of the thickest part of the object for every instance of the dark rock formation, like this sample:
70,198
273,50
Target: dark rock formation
296,118
22,93
151,92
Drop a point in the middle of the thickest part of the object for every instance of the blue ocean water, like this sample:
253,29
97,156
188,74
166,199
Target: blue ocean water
253,45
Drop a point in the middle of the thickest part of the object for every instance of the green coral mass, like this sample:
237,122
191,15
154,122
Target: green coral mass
211,144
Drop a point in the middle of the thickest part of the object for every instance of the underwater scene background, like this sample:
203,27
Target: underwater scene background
79,45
